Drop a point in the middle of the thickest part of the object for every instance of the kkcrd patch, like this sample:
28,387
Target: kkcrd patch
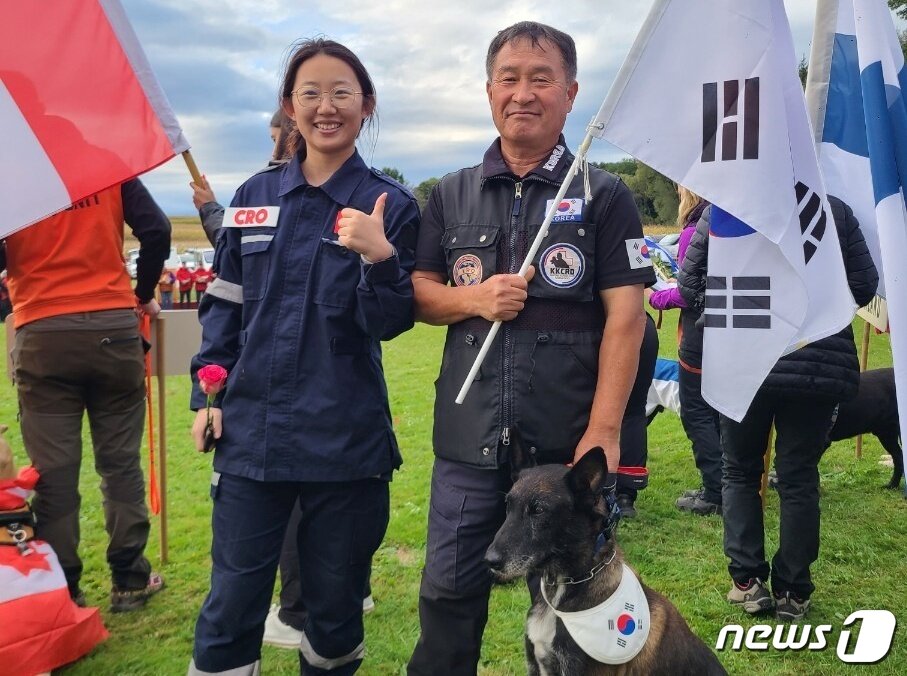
569,209
467,270
251,217
638,254
562,265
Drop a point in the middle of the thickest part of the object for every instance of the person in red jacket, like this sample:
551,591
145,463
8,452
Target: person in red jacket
203,277
185,278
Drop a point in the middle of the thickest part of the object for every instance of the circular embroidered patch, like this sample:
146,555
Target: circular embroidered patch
626,625
467,270
562,265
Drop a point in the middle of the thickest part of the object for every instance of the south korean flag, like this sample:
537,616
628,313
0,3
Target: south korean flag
638,253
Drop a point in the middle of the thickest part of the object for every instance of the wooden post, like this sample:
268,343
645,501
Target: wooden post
767,465
864,359
162,433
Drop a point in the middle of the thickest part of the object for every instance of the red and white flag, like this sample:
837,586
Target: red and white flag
80,109
42,628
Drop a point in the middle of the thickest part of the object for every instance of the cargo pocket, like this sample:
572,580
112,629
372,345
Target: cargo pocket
471,253
254,250
445,515
565,263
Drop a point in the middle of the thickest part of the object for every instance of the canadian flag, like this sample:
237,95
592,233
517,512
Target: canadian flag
80,109
42,628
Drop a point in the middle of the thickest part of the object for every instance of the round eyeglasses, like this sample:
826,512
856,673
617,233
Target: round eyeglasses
340,97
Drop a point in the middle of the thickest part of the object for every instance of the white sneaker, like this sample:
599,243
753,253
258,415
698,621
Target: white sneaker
368,604
279,634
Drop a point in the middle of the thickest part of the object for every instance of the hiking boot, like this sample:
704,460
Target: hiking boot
753,597
368,605
697,504
789,607
279,633
627,508
772,480
691,493
126,600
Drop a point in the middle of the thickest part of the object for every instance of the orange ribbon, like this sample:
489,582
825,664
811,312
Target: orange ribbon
153,496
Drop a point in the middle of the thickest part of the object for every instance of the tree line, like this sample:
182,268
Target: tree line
654,193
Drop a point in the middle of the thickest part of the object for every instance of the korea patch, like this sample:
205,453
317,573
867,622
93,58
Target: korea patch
638,253
467,270
562,265
251,217
570,209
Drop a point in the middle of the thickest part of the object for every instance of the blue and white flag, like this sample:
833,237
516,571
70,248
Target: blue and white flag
855,90
726,118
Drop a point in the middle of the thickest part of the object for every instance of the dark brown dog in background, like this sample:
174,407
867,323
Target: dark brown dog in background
554,518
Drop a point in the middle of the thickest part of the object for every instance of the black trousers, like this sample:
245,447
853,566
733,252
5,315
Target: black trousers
800,428
466,510
634,449
700,422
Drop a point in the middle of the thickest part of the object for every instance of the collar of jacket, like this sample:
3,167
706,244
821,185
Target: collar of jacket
553,169
339,187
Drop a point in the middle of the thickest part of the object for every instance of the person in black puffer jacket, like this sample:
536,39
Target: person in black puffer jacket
799,396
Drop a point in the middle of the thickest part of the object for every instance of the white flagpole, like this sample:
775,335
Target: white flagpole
543,231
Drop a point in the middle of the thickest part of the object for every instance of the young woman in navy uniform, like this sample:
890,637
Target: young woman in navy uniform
313,272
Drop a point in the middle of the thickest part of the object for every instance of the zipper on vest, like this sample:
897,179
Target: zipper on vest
513,267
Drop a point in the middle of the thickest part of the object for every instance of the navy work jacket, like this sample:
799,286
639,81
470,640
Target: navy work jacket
297,320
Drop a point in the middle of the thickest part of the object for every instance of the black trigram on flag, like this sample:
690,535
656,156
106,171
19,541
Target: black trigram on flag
611,625
731,119
621,642
747,302
629,607
809,204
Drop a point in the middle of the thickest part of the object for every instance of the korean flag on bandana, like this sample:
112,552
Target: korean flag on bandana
638,253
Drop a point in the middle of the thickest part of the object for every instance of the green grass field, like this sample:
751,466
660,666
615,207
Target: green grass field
864,541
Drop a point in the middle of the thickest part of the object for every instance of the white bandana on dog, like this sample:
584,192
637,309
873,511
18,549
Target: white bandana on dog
613,632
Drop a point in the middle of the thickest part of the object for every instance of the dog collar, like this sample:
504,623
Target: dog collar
614,631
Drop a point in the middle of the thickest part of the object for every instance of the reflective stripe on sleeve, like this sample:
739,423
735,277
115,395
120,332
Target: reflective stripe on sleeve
245,239
224,290
253,669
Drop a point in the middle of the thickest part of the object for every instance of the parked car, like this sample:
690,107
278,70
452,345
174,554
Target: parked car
207,256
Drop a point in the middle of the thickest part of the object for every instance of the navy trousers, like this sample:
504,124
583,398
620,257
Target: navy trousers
341,526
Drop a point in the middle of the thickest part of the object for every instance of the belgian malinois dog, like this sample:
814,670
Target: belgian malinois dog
560,526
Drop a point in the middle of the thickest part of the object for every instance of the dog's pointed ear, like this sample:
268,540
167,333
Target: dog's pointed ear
520,459
587,477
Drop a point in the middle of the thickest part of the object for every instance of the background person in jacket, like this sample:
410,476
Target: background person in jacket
700,421
165,285
562,367
799,395
296,315
202,278
78,349
185,280
210,211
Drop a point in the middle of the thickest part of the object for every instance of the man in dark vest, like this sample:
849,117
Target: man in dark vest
560,371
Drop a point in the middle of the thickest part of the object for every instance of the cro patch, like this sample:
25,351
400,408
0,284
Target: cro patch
562,265
467,270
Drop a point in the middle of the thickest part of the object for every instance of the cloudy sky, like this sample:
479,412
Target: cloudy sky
219,62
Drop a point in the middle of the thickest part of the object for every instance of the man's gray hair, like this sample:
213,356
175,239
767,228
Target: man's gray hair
535,33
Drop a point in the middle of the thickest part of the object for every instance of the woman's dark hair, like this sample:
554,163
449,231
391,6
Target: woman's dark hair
304,51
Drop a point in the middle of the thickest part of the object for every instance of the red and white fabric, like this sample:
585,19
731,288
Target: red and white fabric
80,109
42,628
